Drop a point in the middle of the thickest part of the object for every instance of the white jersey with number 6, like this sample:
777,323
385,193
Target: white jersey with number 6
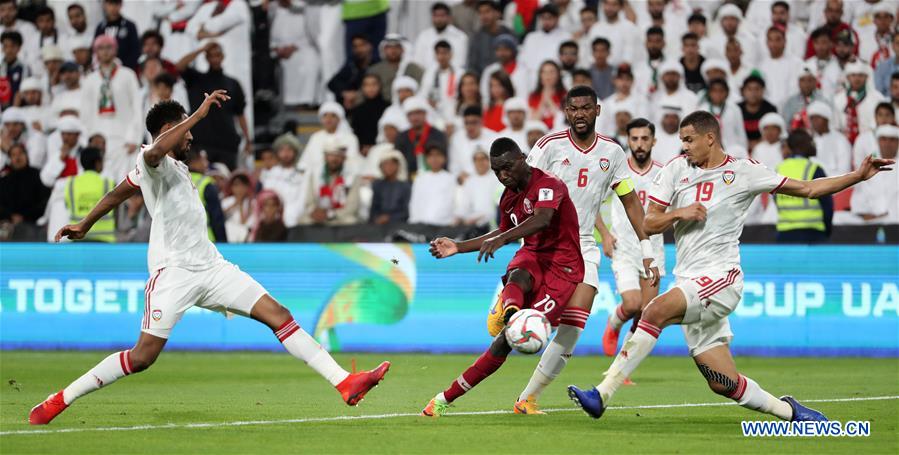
590,174
628,245
712,246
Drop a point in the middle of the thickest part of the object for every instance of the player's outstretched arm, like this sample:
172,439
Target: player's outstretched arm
657,220
444,247
635,215
816,188
542,218
109,202
170,139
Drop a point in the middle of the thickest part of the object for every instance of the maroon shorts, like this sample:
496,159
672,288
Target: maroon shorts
550,292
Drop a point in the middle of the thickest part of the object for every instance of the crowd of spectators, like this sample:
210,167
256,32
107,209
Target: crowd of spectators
410,94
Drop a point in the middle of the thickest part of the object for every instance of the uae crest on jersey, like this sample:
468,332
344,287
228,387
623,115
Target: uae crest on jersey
604,164
728,177
156,314
528,208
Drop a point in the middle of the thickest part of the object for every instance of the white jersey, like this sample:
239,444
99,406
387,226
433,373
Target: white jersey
590,174
726,192
178,233
621,224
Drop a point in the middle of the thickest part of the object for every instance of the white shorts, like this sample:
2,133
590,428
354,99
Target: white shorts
591,264
171,291
710,299
627,269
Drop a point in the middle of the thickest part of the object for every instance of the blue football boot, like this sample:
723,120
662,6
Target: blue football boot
588,400
802,413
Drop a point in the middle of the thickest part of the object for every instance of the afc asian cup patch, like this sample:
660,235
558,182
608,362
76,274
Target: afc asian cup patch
545,194
604,164
728,177
156,314
528,208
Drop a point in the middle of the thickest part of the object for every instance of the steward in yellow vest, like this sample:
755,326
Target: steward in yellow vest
801,220
84,191
209,195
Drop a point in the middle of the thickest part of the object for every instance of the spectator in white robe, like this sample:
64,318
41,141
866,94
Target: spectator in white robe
111,103
334,126
479,195
626,38
63,152
505,47
239,208
442,29
293,46
866,143
834,150
515,112
403,88
535,129
543,44
716,99
588,18
760,16
172,16
30,53
229,24
473,136
769,151
69,94
433,192
714,68
440,83
672,91
646,71
288,179
780,70
324,20
668,143
874,200
875,38
730,25
854,106
624,94
671,17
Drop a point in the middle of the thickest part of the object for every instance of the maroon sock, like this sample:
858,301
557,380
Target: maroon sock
486,365
512,295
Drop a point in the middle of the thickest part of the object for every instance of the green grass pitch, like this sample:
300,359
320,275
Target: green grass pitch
185,389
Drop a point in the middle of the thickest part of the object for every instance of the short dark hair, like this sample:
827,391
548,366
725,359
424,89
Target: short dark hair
800,142
472,111
240,176
165,79
163,113
697,17
689,36
45,11
114,2
640,122
753,78
503,145
601,41
703,122
440,6
568,43
587,9
886,105
580,90
432,146
491,3
781,3
361,36
443,44
719,82
75,6
152,34
13,36
819,32
776,30
89,158
895,76
581,72
655,30
9,1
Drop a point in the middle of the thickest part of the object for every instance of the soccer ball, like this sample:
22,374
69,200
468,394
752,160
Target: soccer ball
528,331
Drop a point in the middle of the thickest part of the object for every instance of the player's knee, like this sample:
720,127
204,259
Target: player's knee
522,278
654,312
141,360
630,304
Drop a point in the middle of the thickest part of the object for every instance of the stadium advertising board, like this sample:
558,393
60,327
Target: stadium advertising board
798,300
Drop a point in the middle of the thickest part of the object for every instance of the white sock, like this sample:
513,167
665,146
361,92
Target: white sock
617,319
302,346
441,398
554,359
106,372
627,336
752,396
632,353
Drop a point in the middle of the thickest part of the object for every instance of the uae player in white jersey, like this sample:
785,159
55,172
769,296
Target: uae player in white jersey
186,269
621,243
592,166
705,196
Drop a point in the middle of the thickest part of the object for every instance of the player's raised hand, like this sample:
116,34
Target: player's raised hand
489,246
694,212
871,166
608,244
443,247
217,97
71,231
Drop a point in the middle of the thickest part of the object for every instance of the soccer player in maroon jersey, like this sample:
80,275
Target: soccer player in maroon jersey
544,272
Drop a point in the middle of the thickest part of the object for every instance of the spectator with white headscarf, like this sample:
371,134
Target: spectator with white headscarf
769,151
834,150
395,62
334,126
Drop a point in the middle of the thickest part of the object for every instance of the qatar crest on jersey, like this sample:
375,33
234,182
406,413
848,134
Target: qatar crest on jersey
728,176
528,208
604,164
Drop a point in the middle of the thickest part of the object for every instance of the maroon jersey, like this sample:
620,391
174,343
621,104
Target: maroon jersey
559,243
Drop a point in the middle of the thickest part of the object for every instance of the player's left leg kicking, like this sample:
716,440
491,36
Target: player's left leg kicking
701,305
169,293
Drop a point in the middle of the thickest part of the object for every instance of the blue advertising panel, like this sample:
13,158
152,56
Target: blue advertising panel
798,300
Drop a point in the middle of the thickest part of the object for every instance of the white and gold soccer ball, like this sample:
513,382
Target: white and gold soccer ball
528,331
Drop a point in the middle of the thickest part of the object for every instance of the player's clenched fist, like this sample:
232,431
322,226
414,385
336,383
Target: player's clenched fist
694,212
443,248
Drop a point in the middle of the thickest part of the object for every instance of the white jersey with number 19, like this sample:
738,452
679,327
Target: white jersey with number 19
589,175
712,246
